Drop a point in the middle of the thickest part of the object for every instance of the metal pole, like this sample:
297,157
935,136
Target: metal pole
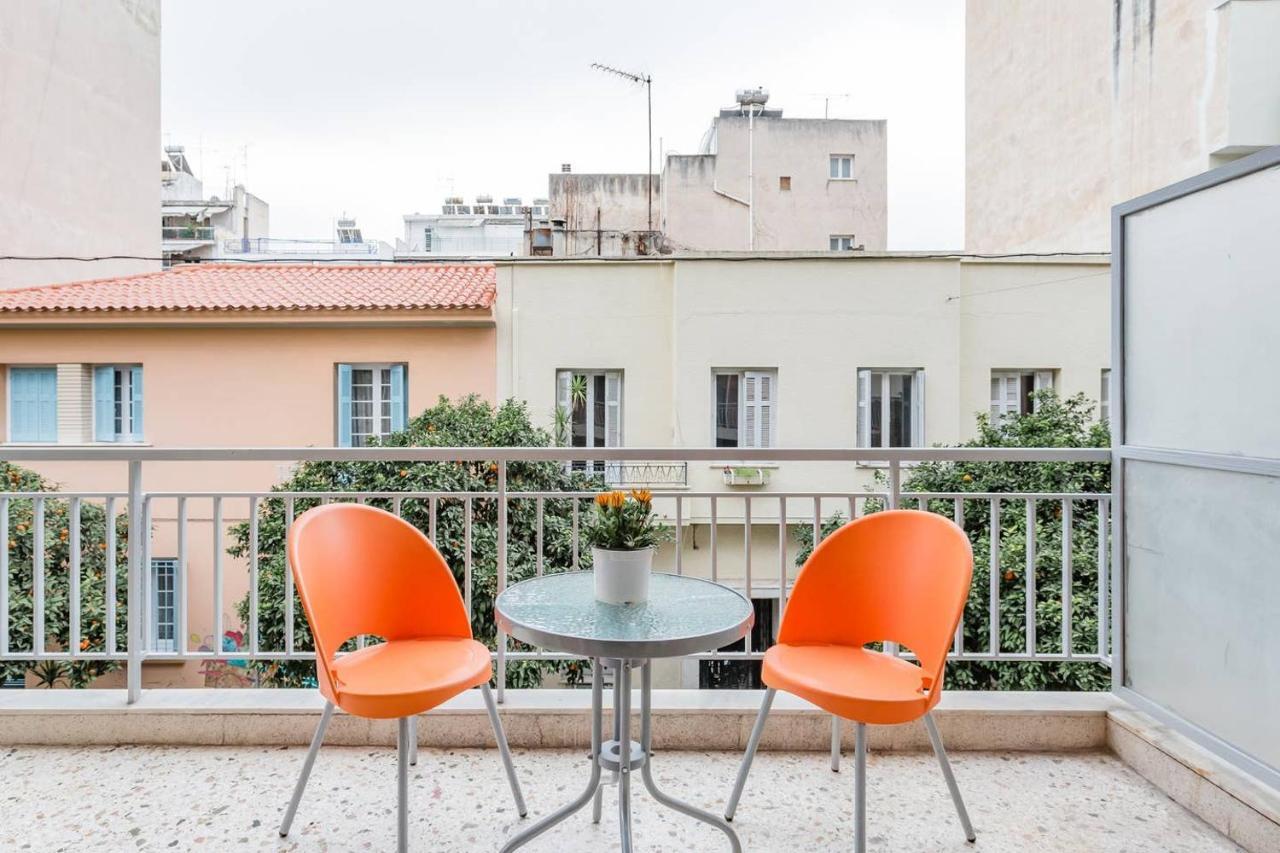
135,606
502,575
648,88
751,177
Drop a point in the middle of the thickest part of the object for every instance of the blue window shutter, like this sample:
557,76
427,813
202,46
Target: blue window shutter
344,405
135,402
399,399
33,397
104,400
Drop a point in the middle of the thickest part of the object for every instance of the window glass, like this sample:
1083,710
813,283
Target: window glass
727,410
598,410
899,410
877,410
361,406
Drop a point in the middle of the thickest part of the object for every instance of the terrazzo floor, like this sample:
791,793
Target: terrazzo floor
231,799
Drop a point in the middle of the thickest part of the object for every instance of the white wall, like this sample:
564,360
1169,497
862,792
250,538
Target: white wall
79,137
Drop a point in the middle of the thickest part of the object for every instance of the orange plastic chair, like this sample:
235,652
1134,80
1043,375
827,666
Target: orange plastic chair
899,576
363,571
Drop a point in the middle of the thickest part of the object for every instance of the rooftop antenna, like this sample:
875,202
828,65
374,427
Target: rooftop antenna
647,82
826,100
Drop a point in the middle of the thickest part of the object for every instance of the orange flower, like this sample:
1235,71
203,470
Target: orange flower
644,496
613,500
84,644
602,499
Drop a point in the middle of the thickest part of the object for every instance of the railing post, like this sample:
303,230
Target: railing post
895,483
502,574
135,606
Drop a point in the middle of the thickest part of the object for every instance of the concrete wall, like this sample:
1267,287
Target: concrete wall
80,101
1073,107
801,218
617,205
229,387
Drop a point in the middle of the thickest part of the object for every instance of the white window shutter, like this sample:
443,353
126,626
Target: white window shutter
1043,381
864,408
917,409
750,409
613,409
564,379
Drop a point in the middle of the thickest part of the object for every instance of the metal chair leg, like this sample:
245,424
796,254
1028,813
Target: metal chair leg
752,743
413,741
835,744
402,785
503,749
936,739
301,786
860,794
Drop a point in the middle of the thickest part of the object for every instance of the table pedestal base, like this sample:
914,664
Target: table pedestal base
620,761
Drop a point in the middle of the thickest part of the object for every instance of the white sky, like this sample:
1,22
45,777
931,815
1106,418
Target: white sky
382,107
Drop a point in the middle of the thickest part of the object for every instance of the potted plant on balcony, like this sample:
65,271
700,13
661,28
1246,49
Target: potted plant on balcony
623,534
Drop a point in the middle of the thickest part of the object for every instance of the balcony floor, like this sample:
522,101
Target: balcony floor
221,798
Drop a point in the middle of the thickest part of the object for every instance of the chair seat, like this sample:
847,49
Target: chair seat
850,682
404,677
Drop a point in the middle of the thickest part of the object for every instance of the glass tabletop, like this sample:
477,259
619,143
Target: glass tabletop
683,615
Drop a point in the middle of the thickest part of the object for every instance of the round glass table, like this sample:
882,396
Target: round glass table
683,615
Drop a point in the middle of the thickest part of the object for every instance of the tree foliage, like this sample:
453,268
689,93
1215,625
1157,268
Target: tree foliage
57,582
469,422
1056,422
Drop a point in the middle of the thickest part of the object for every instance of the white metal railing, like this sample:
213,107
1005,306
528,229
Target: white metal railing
786,508
186,232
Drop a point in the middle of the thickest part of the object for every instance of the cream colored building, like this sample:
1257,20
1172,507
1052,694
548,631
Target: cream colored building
79,129
1072,107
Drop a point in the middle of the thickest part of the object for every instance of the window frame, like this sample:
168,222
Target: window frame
8,403
1104,396
154,621
591,374
835,164
1037,377
377,402
743,373
835,242
862,426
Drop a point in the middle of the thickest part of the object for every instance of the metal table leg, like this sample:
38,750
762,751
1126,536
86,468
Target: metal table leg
597,702
646,733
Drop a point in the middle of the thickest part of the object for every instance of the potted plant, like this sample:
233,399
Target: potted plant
623,534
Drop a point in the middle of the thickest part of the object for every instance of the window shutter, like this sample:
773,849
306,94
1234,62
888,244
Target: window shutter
344,405
750,410
612,409
399,399
33,396
1043,381
767,420
864,408
135,403
917,409
564,382
104,393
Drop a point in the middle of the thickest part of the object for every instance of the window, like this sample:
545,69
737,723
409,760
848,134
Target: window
372,402
744,413
426,239
464,209
841,167
1012,391
589,411
890,407
117,403
33,404
784,183
450,209
164,604
1104,397
842,243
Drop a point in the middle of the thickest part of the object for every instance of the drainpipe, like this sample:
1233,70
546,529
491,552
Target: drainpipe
751,177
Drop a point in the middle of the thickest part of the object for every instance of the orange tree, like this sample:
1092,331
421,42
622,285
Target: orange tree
57,582
1056,422
469,422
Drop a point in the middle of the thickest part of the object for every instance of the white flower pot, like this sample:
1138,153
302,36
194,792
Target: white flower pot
622,577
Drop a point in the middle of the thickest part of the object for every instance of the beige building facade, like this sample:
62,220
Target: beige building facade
1073,107
80,127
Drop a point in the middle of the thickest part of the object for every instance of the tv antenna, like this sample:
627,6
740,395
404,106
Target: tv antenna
646,81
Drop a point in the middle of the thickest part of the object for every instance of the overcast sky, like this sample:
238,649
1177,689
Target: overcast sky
382,107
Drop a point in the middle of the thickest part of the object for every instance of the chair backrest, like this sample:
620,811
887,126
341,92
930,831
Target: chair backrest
900,575
361,570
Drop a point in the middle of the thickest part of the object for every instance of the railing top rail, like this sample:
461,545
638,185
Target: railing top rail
727,456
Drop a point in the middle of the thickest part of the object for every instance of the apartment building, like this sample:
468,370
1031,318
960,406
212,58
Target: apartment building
1074,107
78,143
866,350
235,355
483,228
194,227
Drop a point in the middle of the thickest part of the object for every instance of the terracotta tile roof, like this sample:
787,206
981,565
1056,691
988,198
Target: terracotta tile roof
268,287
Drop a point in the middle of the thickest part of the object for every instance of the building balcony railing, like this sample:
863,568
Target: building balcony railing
278,246
183,232
749,541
